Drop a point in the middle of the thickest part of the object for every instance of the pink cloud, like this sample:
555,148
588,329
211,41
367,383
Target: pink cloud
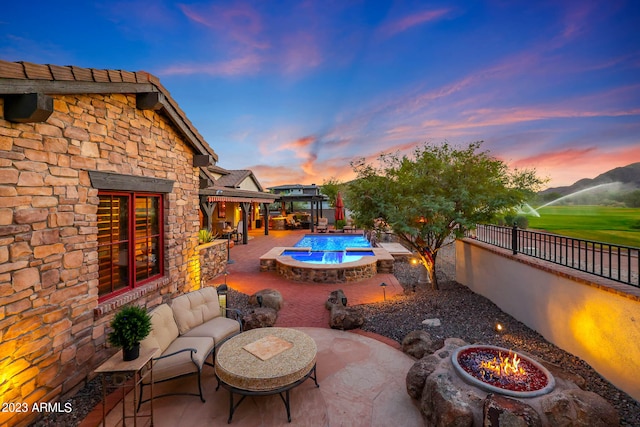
569,165
300,52
407,22
240,23
245,65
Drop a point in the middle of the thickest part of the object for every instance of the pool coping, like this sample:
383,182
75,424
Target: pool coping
273,260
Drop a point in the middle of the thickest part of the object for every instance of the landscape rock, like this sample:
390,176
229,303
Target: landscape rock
578,408
345,318
443,405
502,411
271,298
419,343
432,323
418,373
336,297
260,317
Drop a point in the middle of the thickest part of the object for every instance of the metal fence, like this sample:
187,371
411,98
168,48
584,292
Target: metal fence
615,262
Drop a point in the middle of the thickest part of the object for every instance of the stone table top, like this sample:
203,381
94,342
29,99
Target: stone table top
238,367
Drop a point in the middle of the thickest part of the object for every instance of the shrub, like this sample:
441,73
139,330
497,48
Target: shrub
130,325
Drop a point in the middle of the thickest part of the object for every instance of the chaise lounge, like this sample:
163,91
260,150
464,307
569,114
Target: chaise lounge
323,225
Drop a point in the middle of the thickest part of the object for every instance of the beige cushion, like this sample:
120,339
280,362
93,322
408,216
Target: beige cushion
163,329
195,308
218,329
181,363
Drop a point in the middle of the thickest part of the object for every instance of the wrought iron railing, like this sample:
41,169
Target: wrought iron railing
615,262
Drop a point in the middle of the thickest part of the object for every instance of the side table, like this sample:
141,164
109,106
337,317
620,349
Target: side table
120,370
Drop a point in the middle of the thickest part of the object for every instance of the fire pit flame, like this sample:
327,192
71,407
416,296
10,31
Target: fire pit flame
503,366
502,371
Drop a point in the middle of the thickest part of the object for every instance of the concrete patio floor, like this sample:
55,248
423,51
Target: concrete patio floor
361,375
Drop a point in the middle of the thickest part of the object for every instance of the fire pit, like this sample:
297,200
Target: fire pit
502,371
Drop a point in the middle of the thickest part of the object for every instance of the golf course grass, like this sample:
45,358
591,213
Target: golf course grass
620,226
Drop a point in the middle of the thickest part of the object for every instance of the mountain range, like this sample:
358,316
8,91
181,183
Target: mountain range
628,176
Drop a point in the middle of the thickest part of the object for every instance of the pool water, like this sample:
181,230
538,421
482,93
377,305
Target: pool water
332,243
327,257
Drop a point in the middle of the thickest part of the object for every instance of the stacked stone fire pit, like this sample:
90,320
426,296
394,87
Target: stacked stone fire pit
449,397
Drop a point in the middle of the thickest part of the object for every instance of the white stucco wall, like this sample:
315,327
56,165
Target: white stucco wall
597,325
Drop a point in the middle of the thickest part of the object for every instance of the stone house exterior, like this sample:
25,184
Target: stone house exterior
99,207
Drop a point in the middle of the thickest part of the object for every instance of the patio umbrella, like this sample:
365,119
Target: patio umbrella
339,208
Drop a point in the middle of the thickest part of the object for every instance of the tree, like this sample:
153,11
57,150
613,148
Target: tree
433,196
330,188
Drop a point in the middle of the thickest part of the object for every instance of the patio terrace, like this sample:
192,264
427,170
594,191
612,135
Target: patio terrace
361,375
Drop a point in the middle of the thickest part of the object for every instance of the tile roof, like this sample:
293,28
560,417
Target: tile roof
233,179
26,77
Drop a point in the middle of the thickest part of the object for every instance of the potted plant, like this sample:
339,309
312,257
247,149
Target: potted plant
129,326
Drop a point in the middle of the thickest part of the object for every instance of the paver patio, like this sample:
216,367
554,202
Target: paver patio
361,375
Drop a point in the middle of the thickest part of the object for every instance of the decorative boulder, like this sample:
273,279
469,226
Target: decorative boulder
260,317
342,317
418,344
576,407
345,318
336,298
502,411
270,298
418,374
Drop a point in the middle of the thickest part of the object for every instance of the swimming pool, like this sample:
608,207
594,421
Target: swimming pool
332,242
327,257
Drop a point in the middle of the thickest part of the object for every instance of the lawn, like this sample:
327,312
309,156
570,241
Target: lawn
620,226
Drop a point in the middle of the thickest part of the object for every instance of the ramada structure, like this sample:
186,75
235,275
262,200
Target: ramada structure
102,181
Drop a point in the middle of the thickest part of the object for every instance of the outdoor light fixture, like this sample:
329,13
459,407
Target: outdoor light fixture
259,299
222,297
499,327
384,293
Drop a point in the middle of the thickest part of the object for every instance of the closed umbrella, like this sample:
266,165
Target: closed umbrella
339,208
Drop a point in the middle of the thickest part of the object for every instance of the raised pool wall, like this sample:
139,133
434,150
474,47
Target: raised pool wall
595,319
366,267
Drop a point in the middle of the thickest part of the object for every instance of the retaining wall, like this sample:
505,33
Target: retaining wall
595,319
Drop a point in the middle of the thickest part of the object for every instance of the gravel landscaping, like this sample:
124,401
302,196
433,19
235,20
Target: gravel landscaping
462,314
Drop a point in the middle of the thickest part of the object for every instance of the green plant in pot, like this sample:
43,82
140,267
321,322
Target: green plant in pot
129,326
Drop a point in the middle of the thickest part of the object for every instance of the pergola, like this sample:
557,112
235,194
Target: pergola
211,196
314,199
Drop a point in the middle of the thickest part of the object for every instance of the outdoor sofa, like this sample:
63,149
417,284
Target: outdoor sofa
185,334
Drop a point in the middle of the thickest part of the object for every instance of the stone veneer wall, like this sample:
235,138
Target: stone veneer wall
212,261
52,328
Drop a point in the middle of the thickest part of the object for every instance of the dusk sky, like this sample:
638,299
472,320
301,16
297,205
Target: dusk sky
296,90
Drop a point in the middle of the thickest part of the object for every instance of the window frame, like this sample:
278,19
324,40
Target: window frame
133,239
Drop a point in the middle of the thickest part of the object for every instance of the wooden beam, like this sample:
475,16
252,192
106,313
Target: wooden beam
202,160
116,181
28,108
205,183
19,87
150,101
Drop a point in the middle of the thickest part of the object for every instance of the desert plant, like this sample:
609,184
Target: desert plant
129,326
205,236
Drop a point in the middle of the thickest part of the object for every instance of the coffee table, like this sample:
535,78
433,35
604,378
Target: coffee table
263,362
